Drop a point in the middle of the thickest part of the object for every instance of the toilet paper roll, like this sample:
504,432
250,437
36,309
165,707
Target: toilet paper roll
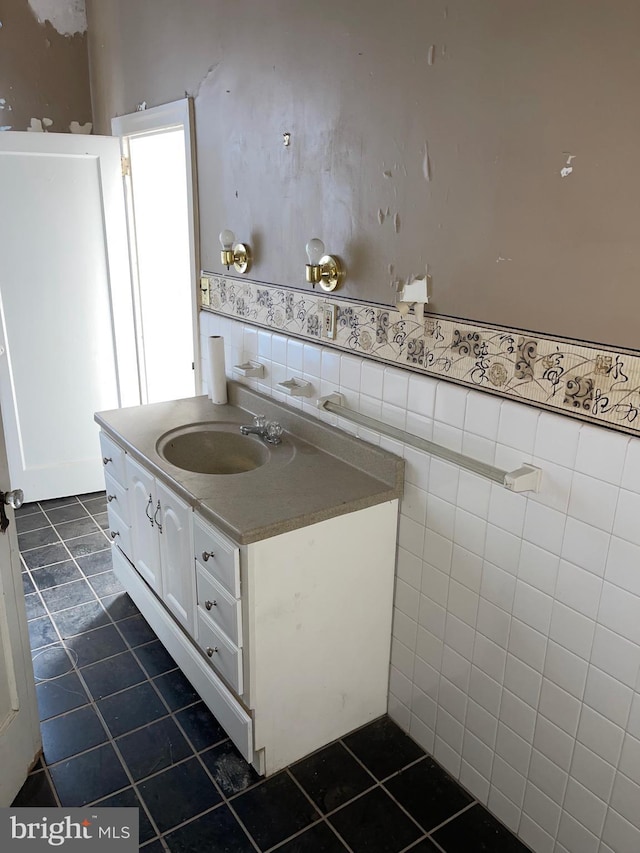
216,377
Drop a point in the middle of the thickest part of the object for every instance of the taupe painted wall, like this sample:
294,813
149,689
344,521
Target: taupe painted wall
449,121
44,73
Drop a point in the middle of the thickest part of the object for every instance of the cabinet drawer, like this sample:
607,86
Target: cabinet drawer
112,458
217,556
221,653
220,607
119,532
117,498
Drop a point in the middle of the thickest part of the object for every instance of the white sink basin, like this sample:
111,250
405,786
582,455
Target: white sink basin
213,448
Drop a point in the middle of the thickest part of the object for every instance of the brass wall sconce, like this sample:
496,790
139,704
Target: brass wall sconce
325,270
234,253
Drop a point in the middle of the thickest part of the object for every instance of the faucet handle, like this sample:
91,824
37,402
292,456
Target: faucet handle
274,432
260,421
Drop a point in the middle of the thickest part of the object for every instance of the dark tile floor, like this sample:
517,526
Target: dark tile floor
121,726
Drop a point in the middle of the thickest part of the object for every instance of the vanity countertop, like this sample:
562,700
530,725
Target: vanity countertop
318,472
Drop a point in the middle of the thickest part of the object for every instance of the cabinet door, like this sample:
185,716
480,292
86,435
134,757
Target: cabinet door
176,557
143,506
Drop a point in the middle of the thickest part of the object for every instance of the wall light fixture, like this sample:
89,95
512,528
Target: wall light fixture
325,270
234,253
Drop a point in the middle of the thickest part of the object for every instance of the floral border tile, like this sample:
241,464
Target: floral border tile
596,384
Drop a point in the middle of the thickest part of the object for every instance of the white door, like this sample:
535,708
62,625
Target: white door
19,727
65,307
159,185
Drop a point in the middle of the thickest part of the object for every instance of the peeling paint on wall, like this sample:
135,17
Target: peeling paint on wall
43,63
568,169
464,108
76,127
38,125
426,162
68,18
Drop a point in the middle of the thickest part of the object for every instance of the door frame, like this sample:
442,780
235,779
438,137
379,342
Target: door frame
145,122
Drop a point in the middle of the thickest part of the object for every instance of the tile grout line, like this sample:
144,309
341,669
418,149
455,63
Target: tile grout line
381,784
323,816
454,816
428,833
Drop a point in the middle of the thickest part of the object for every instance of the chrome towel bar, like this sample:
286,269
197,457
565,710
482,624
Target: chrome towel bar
524,479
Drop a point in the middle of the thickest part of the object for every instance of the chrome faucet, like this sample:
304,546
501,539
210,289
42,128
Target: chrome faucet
269,431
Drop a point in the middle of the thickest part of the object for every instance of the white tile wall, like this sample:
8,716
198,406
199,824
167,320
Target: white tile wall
516,652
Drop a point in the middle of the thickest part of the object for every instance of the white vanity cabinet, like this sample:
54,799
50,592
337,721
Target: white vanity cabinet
285,638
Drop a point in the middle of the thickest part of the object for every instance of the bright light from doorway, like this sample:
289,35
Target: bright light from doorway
163,298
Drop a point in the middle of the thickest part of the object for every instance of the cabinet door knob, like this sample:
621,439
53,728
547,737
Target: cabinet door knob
211,651
111,498
106,460
210,604
207,554
115,533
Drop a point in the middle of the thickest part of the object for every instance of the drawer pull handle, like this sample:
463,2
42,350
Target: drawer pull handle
115,533
210,604
211,651
111,498
207,554
155,518
106,460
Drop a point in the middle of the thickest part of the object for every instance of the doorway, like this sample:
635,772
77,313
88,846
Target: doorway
158,175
